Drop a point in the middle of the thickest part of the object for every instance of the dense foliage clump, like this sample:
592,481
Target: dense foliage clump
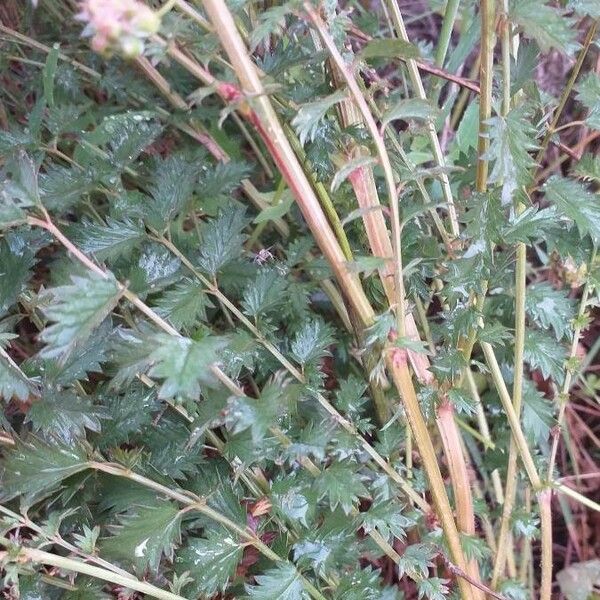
297,302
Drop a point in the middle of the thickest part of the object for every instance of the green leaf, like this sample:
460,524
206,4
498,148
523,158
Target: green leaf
64,416
77,310
210,561
512,140
350,396
530,225
538,413
484,218
88,359
222,239
130,411
545,24
348,169
144,535
588,168
184,304
19,188
15,265
412,108
309,117
271,22
125,135
585,7
257,415
448,364
389,48
462,401
63,187
217,183
367,264
34,470
87,540
184,364
589,95
276,211
549,307
341,485
544,353
494,333
468,129
433,588
13,383
108,242
264,293
172,187
387,519
416,561
281,583
311,342
576,202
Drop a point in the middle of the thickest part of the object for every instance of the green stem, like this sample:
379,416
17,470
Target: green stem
415,77
382,153
564,97
29,555
446,31
486,69
503,544
511,414
563,397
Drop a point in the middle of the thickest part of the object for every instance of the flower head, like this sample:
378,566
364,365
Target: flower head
117,26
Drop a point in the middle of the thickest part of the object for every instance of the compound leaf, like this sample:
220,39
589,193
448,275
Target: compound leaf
76,310
281,583
210,562
144,535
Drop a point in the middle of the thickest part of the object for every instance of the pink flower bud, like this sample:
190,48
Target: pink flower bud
117,26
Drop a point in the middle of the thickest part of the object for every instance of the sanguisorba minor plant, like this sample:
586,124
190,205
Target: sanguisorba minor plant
291,300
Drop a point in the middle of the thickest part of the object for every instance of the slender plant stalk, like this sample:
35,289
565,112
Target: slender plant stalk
24,521
415,77
513,419
32,555
562,398
382,154
564,97
486,71
367,196
446,31
445,420
544,497
504,537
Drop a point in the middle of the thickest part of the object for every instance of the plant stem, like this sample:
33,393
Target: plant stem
564,97
382,153
486,70
563,397
446,31
544,496
504,536
28,555
513,419
415,77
